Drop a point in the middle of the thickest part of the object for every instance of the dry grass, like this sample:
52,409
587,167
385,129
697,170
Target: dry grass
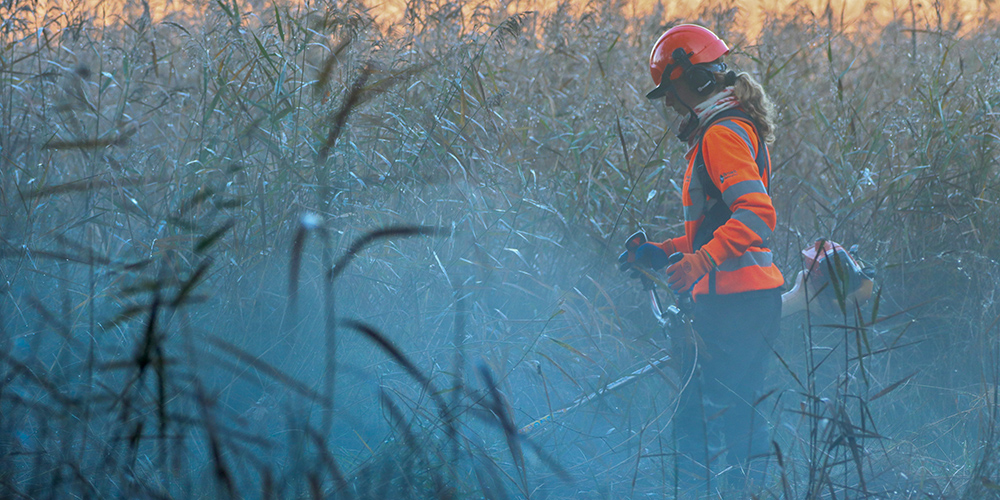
285,253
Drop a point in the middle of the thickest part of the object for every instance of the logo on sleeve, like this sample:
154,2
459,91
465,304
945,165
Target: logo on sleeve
725,176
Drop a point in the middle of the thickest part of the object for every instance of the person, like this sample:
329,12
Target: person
725,263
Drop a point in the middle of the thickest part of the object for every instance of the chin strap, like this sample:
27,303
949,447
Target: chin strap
690,124
688,127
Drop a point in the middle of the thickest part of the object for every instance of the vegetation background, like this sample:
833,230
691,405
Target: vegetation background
277,249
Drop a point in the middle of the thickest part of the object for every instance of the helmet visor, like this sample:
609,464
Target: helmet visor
674,121
664,109
659,91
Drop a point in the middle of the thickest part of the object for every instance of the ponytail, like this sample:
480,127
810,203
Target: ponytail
755,102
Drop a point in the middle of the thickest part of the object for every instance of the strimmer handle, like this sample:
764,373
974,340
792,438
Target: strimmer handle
684,300
637,238
631,244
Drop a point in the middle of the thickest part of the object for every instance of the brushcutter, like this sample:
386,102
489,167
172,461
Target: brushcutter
830,272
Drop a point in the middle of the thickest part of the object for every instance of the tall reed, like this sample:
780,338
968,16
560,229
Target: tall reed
209,288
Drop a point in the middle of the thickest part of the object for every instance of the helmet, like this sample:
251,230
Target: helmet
676,53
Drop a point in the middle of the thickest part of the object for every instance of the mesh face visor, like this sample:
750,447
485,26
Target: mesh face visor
665,111
666,90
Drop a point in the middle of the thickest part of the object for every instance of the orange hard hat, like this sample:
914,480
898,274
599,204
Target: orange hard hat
677,49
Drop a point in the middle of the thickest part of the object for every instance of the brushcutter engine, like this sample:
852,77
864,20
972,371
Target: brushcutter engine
831,277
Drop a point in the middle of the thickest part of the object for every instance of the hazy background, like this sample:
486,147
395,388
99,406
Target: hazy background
184,315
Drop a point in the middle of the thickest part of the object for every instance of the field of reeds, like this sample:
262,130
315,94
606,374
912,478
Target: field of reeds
280,250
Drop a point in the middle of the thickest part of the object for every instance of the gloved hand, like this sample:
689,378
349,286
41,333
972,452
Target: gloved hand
682,276
649,255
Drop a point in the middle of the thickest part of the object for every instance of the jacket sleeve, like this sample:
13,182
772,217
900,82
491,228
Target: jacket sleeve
668,246
682,244
729,150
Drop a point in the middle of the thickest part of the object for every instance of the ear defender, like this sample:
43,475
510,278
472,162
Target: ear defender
699,77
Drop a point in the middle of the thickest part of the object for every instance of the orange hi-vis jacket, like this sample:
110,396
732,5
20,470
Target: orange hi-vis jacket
737,163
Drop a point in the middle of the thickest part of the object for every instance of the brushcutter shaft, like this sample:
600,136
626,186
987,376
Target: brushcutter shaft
646,368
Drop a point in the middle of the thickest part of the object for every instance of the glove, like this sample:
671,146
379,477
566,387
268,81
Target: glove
649,255
682,276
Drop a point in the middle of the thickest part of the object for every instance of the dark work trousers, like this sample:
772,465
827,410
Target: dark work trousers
715,412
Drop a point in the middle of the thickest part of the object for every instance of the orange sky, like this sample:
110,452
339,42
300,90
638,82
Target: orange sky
388,12
753,11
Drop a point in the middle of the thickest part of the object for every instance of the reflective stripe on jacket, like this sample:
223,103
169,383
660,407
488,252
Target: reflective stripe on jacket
729,148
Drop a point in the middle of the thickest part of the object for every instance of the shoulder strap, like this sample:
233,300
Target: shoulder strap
718,213
709,187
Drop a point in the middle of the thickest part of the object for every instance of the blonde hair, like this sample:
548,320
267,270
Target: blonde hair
755,102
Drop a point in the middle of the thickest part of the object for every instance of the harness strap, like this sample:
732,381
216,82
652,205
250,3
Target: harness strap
718,211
